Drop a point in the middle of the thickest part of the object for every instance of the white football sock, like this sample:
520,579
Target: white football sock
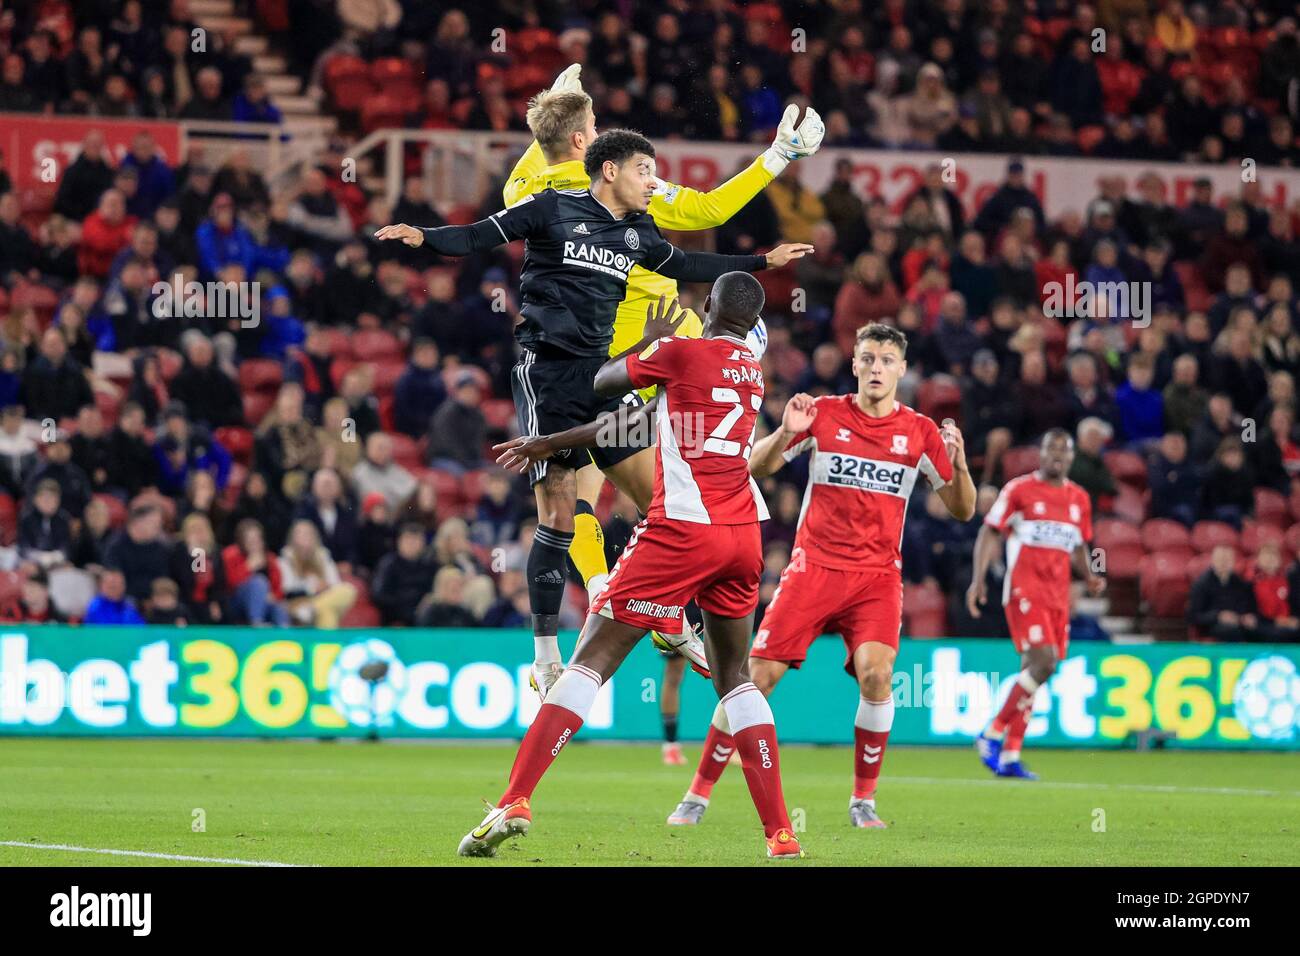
546,648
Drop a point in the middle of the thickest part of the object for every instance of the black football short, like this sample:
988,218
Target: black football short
554,393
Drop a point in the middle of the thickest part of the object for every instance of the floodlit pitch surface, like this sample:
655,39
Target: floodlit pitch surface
331,804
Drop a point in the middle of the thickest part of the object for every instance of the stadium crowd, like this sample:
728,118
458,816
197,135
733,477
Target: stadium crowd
330,463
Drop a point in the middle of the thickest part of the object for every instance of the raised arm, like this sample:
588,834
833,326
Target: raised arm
957,495
667,260
683,208
769,452
661,321
514,222
520,454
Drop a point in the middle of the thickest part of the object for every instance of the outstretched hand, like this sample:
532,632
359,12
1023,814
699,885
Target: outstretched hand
799,413
786,252
663,319
408,234
520,454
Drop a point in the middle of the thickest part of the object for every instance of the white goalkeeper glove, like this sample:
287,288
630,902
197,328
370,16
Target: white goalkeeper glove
793,142
570,81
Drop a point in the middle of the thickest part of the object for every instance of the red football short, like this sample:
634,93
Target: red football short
1035,625
811,600
668,563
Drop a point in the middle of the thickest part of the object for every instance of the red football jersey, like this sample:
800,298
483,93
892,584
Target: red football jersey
1043,523
862,472
708,406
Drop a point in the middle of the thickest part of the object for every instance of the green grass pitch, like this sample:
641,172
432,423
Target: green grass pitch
394,804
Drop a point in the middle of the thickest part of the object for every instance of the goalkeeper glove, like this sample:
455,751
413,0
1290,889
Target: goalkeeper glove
570,81
793,142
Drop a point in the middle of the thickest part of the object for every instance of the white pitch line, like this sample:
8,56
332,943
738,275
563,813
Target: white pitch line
1064,785
152,856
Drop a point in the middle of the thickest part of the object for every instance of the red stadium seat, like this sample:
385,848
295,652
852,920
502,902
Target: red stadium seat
471,486
1130,504
340,367
41,298
1111,533
385,111
372,345
1161,570
395,76
260,375
925,611
1019,461
350,93
109,404
8,520
1207,534
386,404
256,405
1271,507
1254,535
340,343
11,586
1088,137
1159,534
445,485
342,65
1126,466
387,372
361,614
1123,560
234,485
237,441
939,397
500,414
406,451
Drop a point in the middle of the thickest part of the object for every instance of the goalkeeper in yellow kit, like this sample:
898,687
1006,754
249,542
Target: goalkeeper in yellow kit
555,161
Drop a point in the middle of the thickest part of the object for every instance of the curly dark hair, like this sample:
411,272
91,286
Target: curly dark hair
616,146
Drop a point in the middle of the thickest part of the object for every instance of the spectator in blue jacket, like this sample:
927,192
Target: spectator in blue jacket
420,390
154,178
223,241
111,605
254,104
1141,407
181,448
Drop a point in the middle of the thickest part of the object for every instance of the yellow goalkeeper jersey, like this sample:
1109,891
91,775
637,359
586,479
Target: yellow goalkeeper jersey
671,207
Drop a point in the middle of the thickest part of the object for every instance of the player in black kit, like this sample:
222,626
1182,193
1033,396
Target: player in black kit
581,244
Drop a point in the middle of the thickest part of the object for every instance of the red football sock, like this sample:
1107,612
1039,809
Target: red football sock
754,731
1019,698
1016,731
870,734
564,711
762,768
718,748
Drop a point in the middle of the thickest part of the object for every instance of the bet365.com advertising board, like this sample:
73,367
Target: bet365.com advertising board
474,684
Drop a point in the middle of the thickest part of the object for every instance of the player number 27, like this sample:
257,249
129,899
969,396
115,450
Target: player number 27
717,442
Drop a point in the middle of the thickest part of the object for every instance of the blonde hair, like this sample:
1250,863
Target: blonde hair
554,116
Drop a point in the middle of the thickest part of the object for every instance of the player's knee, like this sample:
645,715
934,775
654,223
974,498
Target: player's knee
876,680
763,676
999,438
1042,667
